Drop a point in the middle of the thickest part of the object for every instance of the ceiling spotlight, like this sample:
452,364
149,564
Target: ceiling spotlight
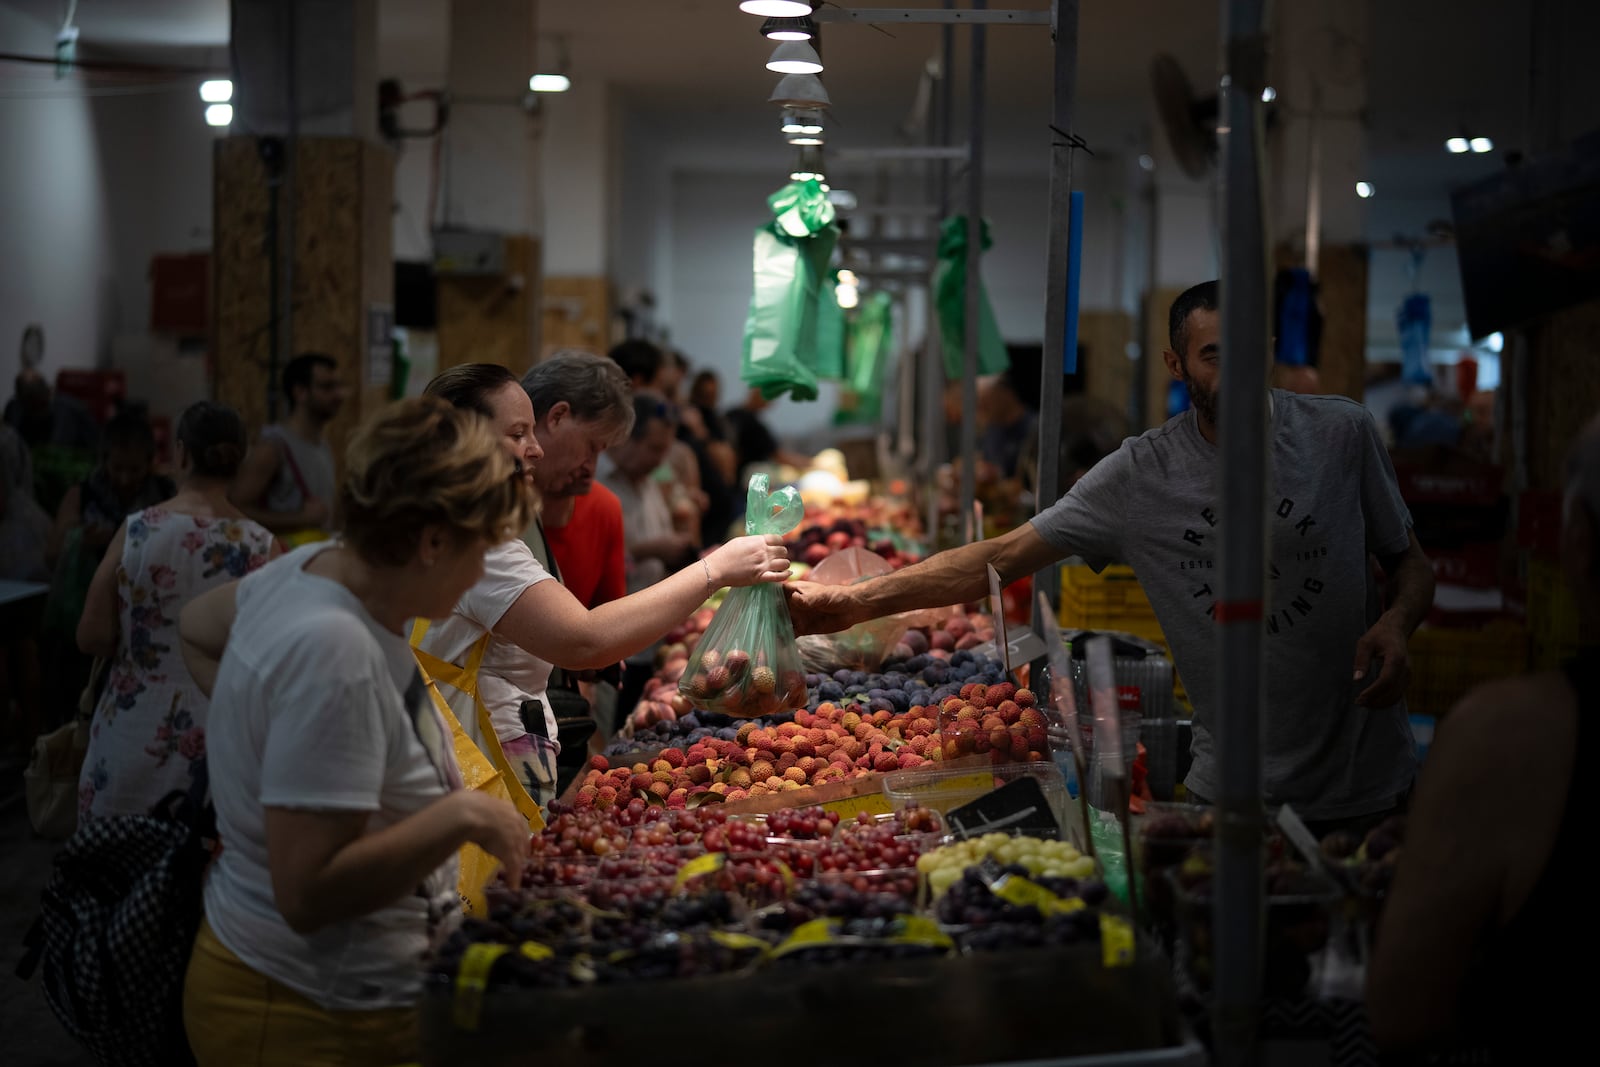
848,296
1364,190
219,115
795,57
776,9
804,176
549,83
800,29
848,277
1457,145
1268,95
1146,162
216,91
800,90
1495,342
1480,145
803,140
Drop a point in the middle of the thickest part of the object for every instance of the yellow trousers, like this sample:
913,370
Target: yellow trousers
236,1017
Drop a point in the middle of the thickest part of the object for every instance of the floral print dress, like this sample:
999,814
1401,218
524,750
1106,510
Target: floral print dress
150,724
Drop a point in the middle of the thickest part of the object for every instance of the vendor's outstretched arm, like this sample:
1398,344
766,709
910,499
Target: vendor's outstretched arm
951,577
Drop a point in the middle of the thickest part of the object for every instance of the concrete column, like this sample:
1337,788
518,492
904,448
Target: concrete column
492,179
581,149
317,59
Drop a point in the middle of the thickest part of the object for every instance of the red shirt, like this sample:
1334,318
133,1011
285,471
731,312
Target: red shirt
588,549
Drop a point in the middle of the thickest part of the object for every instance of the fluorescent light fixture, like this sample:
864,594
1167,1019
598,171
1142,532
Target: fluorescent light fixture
1147,162
1457,145
1364,190
549,83
1480,145
1268,95
795,57
800,29
776,9
800,90
216,91
1495,342
219,114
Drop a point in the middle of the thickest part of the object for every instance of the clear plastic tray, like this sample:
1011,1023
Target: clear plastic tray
945,788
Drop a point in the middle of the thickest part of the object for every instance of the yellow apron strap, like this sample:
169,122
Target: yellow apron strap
464,678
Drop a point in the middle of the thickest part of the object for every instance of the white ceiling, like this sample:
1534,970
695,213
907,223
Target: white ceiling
1434,67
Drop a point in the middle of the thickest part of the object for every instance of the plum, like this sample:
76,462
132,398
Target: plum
943,642
917,640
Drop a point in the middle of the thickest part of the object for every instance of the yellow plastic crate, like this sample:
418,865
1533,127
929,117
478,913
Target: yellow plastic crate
1446,663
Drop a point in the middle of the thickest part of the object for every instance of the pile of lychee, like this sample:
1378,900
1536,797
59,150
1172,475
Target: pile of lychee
737,684
1001,721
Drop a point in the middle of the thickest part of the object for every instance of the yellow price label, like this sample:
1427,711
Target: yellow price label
1116,941
535,951
921,930
1023,893
850,807
815,932
730,939
472,978
710,863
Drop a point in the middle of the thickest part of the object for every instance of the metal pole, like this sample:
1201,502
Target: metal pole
944,103
969,365
1242,477
1064,68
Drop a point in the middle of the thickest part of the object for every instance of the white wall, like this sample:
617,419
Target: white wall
53,241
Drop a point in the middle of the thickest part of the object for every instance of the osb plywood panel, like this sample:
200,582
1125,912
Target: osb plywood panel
493,319
575,313
1563,388
343,194
1155,368
241,279
1342,293
1108,372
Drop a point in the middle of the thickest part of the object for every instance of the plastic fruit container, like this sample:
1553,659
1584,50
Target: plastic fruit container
946,788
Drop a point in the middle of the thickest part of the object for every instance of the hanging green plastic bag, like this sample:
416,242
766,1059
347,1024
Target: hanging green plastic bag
950,296
870,339
832,332
791,257
747,663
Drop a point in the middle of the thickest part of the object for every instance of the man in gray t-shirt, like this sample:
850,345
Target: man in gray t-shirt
1337,743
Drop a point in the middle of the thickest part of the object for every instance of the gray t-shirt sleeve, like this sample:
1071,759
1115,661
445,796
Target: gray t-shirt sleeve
1088,520
1388,520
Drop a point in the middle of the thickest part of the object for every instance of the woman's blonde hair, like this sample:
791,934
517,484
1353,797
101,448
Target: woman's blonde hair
419,462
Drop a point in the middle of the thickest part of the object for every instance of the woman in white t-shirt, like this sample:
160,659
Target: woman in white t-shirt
339,803
535,622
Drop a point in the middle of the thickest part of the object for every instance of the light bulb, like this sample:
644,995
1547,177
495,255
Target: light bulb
219,114
848,296
549,83
1456,145
1268,95
216,91
776,9
1480,145
1364,190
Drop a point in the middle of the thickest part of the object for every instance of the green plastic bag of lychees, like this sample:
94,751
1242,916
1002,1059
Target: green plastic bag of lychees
747,663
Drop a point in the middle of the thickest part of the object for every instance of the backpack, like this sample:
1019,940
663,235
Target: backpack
117,922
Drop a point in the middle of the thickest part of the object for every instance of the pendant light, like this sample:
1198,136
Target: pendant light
800,90
795,57
777,9
800,29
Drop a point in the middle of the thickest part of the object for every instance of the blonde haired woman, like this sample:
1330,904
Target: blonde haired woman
339,803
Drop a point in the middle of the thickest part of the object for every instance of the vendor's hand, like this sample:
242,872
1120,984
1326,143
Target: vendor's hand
1387,642
749,560
821,609
497,828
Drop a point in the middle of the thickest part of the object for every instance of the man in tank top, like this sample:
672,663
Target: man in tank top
287,482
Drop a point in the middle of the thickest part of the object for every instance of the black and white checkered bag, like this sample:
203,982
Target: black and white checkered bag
118,921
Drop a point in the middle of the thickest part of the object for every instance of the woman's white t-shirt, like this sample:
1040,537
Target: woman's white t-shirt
509,675
317,707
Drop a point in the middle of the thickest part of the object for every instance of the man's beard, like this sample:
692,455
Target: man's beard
1203,401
